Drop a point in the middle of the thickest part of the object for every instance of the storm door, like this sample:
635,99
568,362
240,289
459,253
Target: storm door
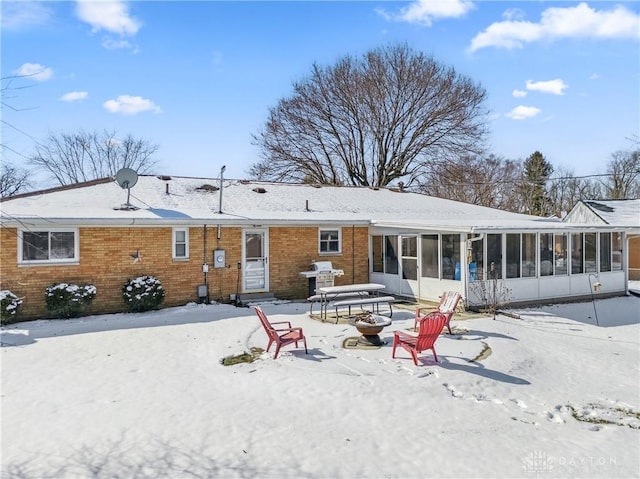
255,261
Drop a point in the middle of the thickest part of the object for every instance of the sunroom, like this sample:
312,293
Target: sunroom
490,265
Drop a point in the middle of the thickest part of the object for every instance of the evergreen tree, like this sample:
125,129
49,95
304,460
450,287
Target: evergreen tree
537,171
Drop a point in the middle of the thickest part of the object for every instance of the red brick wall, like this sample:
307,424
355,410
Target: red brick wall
106,262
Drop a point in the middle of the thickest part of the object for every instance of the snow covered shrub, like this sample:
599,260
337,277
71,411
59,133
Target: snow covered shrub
143,293
9,306
67,300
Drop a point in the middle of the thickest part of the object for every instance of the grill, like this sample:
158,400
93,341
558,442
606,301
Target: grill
322,274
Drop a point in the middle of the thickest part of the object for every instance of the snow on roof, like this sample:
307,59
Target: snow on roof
185,200
616,212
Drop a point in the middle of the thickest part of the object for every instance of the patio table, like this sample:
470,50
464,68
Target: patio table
327,293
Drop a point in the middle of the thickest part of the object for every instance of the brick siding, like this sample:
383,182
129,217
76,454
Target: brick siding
106,262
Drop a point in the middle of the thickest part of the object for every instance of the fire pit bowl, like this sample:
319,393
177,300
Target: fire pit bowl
369,325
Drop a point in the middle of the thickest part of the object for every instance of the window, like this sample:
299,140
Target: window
476,266
590,265
391,255
55,246
546,254
330,241
376,251
560,254
429,256
494,256
616,251
577,265
605,251
385,254
180,243
529,255
451,257
513,256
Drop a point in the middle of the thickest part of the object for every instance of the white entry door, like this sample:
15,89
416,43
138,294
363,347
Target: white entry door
255,261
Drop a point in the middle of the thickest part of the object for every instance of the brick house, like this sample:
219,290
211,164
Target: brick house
211,239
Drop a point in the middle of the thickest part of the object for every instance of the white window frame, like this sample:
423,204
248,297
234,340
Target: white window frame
76,247
174,244
332,230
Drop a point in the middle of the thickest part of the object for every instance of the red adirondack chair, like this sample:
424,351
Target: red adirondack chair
429,329
281,336
448,304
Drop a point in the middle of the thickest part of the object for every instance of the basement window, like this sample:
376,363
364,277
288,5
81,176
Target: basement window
48,246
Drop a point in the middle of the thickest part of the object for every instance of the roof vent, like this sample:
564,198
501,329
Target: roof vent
207,187
164,177
259,190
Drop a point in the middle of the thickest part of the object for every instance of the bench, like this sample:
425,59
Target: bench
375,300
318,297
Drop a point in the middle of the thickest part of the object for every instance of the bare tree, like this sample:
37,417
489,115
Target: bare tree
480,181
13,179
623,181
76,157
565,190
372,120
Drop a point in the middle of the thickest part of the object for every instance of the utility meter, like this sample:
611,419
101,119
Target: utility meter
219,259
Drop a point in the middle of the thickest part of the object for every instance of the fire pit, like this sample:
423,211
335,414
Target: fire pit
369,325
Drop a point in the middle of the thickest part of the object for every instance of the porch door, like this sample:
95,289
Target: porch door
255,259
409,271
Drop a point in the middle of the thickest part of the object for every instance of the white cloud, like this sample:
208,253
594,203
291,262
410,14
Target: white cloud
555,23
425,11
74,96
35,71
130,105
595,76
119,44
555,87
19,15
523,112
110,16
519,93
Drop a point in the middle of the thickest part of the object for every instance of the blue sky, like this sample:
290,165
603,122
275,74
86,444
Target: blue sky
198,78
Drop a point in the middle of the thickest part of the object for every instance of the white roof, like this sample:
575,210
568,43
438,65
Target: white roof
183,200
611,212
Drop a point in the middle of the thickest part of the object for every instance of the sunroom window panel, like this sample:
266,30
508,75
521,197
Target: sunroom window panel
529,255
590,265
513,256
605,251
451,257
546,254
560,254
376,251
391,255
494,256
616,251
476,267
577,264
429,256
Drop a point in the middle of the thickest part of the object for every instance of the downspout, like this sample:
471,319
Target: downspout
465,275
205,268
353,254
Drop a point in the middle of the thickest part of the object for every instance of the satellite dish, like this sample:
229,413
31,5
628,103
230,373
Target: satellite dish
126,178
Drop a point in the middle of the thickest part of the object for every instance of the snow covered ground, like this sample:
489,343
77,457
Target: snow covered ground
145,396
